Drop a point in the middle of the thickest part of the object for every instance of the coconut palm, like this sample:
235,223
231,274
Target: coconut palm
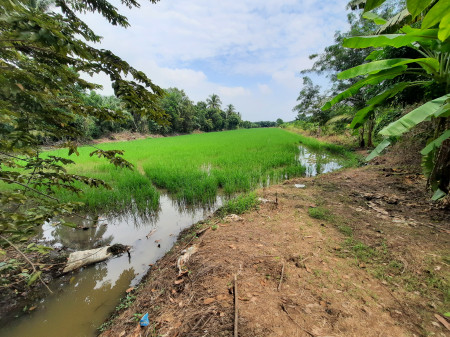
214,102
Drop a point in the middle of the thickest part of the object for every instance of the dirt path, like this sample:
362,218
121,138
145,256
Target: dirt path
361,252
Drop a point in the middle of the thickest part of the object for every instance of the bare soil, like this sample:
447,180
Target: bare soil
359,252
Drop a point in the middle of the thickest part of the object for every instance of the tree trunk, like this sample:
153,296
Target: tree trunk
370,125
361,140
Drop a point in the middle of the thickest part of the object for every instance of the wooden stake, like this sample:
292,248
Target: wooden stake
235,307
281,278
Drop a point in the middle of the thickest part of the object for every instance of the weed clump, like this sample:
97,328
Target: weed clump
240,204
320,213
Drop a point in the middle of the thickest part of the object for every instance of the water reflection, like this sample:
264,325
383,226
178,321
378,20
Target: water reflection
317,162
84,299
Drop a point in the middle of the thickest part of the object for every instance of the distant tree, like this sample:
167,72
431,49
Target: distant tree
233,121
310,103
180,109
217,120
279,121
214,102
229,110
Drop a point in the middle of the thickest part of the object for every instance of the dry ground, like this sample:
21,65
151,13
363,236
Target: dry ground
361,252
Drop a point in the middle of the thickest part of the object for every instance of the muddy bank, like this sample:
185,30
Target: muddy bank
356,252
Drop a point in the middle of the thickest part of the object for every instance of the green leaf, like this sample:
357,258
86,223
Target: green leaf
443,111
34,277
415,7
371,4
380,148
435,143
393,40
447,314
413,118
369,80
436,14
371,67
439,194
444,28
388,93
374,17
374,55
430,65
363,114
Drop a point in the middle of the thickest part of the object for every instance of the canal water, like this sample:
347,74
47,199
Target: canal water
84,299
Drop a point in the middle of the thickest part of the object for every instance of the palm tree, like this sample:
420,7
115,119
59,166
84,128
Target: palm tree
214,102
230,110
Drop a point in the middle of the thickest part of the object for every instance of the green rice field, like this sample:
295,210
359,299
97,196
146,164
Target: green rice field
192,168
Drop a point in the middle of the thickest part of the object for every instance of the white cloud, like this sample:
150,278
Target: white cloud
232,92
264,89
229,48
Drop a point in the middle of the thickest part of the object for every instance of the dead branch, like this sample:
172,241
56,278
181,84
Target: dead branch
290,317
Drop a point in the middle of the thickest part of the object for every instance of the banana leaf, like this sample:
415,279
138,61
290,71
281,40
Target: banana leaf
413,118
374,17
436,14
415,7
430,65
369,80
435,143
393,40
363,114
380,148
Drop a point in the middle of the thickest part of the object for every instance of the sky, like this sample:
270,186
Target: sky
249,52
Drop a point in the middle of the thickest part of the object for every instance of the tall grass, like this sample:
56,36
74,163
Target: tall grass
193,168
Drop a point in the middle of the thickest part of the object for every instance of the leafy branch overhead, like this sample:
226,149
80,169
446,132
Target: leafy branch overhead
426,30
44,46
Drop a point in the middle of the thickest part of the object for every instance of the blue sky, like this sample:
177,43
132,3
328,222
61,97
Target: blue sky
249,52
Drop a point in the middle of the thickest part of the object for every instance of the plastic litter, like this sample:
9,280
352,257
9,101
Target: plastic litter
144,320
299,185
86,257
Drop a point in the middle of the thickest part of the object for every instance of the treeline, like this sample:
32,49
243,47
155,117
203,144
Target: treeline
183,116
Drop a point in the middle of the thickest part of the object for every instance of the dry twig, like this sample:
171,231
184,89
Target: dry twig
281,278
290,317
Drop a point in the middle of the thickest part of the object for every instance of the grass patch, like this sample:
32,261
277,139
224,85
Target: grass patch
346,230
240,204
320,213
192,168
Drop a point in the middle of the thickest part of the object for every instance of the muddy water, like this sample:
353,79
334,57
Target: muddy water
318,162
84,299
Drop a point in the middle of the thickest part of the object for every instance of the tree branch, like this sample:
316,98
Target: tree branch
28,260
30,188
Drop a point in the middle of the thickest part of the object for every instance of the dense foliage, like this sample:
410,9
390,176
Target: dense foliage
376,74
43,46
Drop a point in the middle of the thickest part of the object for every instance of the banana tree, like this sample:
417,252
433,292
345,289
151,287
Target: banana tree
428,33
